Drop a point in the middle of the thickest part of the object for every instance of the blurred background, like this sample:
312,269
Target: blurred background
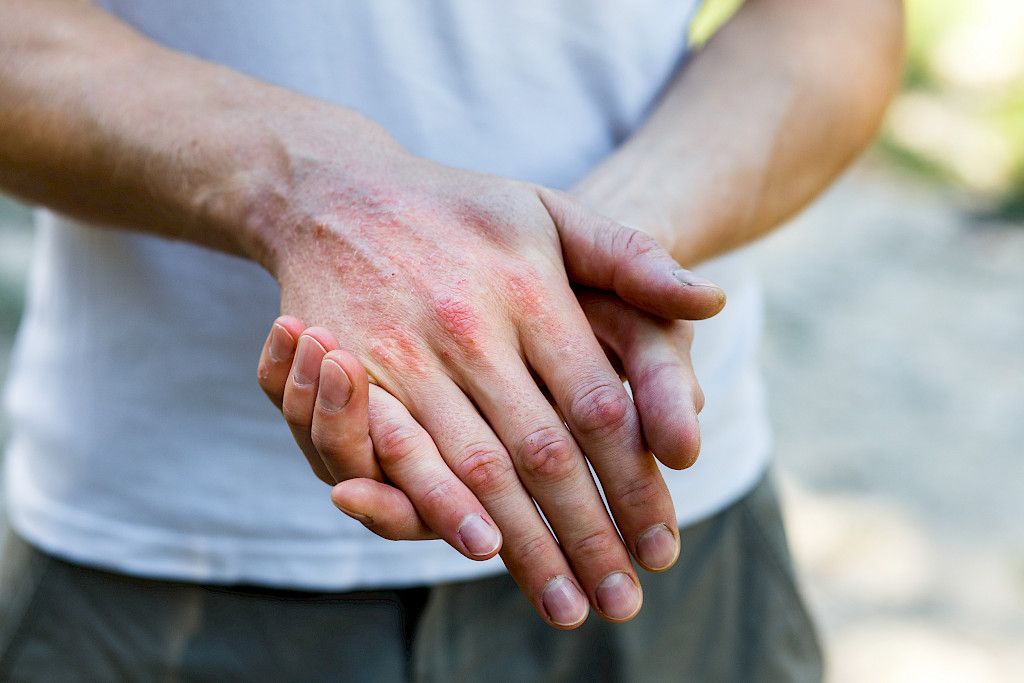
895,363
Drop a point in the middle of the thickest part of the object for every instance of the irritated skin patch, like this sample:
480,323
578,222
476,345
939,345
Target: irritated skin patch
486,224
525,291
456,316
400,351
419,284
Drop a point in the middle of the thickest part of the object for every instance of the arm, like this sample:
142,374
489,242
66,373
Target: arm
756,125
103,124
750,131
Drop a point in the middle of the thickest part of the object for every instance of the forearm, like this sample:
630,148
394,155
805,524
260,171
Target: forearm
101,123
756,125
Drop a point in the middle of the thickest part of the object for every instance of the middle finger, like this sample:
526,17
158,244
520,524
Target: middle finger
604,421
555,472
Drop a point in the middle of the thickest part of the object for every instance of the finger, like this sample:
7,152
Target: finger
473,452
555,472
655,354
340,429
383,509
602,253
604,422
410,459
300,395
276,357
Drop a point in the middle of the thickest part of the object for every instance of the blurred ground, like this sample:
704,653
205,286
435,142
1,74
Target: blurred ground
895,362
896,366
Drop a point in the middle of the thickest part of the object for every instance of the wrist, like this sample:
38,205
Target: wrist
690,207
621,194
291,172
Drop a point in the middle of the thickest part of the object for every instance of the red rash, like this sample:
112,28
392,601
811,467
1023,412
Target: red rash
484,223
399,352
524,293
456,317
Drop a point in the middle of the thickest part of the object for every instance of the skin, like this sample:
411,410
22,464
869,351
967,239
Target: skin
756,124
712,169
409,257
338,442
365,238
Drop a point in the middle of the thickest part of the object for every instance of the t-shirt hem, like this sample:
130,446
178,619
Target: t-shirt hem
305,566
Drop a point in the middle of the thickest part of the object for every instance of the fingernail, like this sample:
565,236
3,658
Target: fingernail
335,387
479,537
657,548
563,602
280,343
618,596
307,360
692,279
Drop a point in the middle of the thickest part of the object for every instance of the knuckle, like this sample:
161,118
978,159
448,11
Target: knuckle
524,288
548,453
395,443
485,470
323,440
295,413
654,371
600,409
531,551
440,494
643,493
328,442
401,353
594,545
457,316
635,243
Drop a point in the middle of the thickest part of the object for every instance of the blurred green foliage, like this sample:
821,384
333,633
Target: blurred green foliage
959,118
965,58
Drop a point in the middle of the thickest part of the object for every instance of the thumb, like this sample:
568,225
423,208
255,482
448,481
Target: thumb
603,254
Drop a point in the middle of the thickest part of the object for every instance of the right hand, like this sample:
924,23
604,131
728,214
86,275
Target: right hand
450,288
348,420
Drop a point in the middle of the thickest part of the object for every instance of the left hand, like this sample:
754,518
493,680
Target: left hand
651,352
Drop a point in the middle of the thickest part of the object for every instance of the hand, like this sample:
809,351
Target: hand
448,286
653,351
450,289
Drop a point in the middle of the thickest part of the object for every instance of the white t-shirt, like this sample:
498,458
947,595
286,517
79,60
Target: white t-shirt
141,441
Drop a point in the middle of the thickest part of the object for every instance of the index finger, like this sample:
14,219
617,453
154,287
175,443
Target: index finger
340,429
562,349
276,357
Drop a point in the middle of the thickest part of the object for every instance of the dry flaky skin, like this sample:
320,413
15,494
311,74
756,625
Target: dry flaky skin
419,275
449,305
450,287
453,287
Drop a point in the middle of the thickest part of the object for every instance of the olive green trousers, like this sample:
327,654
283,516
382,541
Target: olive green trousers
729,611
